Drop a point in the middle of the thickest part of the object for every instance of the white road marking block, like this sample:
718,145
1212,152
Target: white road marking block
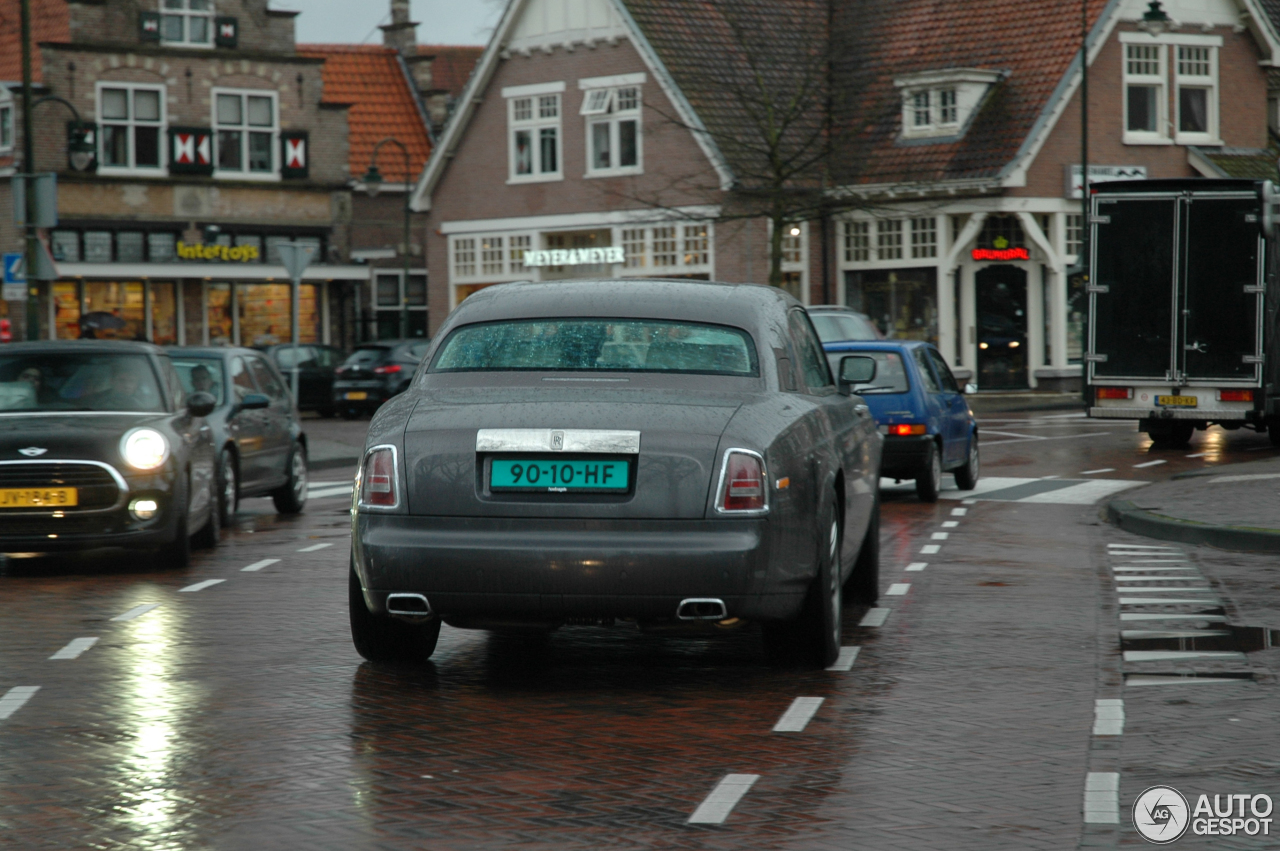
1102,797
1171,589
1181,655
323,493
1085,493
1151,616
1108,717
1198,455
258,565
917,566
1166,680
74,648
959,512
844,662
875,617
940,536
200,586
314,547
1099,470
1155,463
929,549
1140,547
1159,579
1131,568
898,589
14,698
950,524
798,715
1172,633
968,501
715,808
1158,601
135,612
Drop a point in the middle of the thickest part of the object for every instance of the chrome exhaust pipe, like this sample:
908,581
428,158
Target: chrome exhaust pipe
411,605
702,609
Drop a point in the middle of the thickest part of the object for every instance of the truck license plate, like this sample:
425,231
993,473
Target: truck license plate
357,396
1176,401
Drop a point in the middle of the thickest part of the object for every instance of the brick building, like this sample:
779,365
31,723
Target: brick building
953,189
214,142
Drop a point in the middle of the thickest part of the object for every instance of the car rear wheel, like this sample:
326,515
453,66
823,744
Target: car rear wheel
929,479
228,486
967,476
380,638
1171,435
863,585
814,637
290,497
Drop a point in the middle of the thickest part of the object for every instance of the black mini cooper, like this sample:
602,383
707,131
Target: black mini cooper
100,447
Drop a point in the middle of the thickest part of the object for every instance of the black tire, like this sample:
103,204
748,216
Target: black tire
228,486
929,478
209,535
863,584
1273,432
967,476
814,637
291,497
379,638
1171,435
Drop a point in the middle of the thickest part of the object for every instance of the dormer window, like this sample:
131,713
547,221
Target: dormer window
938,104
188,22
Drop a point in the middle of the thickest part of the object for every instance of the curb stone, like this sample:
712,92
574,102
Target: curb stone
1126,515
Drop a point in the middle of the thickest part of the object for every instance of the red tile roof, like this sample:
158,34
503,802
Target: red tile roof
50,21
370,78
452,65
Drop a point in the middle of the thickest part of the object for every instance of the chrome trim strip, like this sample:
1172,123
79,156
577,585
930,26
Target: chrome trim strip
82,413
620,442
121,485
764,483
359,484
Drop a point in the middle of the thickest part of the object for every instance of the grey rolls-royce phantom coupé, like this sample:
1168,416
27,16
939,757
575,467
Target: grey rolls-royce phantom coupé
655,452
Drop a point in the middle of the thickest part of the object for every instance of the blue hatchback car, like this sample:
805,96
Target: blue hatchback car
920,410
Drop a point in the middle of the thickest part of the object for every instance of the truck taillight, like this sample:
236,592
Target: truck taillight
1235,395
378,485
1113,393
907,429
743,486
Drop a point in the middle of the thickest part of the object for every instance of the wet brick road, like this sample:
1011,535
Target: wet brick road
235,713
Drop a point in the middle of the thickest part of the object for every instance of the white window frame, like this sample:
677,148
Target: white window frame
1209,82
1072,225
682,246
186,14
273,174
600,106
6,122
857,241
792,245
535,124
1160,82
922,246
159,170
398,274
925,112
510,267
889,239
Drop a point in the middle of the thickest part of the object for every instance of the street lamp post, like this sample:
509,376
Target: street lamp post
372,185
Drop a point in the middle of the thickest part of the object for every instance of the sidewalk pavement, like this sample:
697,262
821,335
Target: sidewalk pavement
1004,402
1232,507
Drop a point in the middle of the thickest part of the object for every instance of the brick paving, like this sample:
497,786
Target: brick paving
1250,502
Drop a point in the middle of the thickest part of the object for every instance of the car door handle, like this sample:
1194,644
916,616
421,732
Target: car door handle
861,410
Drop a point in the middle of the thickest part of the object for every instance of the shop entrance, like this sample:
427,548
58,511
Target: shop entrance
1002,327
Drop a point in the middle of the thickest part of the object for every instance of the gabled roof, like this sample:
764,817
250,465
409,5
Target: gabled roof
50,21
452,65
372,80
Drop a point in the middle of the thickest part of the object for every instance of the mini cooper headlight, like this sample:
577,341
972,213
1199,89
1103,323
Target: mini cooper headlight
144,448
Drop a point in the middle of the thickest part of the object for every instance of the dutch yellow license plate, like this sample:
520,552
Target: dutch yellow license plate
1176,401
37,497
357,397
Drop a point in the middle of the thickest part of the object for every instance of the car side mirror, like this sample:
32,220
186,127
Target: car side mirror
254,402
856,369
969,388
201,404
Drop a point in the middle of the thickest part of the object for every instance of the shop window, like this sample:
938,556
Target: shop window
491,255
613,130
924,237
164,314
464,257
664,246
903,303
889,239
633,248
187,22
131,119
1144,93
534,126
518,245
696,245
265,314
1197,102
6,127
1000,231
245,131
857,242
123,300
221,317
1074,233
66,311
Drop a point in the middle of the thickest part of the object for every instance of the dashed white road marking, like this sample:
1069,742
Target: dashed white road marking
1155,463
1151,616
929,549
14,698
258,565
1099,470
1164,579
1108,717
715,808
135,612
875,617
1160,601
1172,633
324,493
314,547
1170,589
950,524
798,715
959,512
968,502
1181,655
200,586
940,536
1102,797
1133,568
74,648
1142,547
1168,680
844,662
1198,455
917,566
898,589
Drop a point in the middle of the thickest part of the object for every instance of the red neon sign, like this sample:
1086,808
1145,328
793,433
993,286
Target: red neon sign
1001,254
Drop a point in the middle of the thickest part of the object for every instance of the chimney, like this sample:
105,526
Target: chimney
401,33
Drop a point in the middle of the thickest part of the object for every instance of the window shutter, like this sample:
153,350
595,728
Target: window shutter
295,155
226,32
190,150
90,131
149,26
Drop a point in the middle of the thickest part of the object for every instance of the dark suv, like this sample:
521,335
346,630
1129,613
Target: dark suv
375,372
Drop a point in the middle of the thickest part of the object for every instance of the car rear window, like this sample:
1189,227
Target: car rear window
367,354
80,381
836,327
612,345
891,374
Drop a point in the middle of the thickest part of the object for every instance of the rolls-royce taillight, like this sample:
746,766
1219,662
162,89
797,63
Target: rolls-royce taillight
743,486
378,486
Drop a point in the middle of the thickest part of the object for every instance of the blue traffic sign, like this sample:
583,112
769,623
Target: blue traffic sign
14,273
